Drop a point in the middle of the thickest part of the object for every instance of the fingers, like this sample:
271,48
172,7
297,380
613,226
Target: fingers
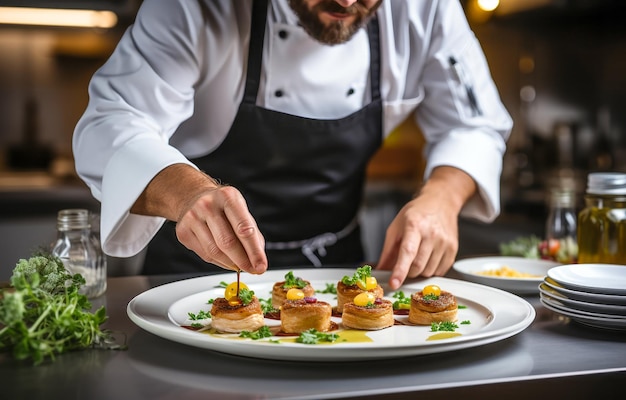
415,248
220,229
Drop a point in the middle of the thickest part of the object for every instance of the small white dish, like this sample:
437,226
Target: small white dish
594,321
592,278
473,269
597,298
608,309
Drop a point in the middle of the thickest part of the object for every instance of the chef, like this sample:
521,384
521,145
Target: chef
236,134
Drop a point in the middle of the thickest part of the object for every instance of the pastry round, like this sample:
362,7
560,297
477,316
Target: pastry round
425,311
279,292
375,317
234,319
297,316
346,293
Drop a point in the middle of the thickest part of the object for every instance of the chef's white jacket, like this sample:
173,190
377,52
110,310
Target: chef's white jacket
171,89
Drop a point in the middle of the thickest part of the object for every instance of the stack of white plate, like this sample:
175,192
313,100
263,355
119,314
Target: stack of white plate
592,294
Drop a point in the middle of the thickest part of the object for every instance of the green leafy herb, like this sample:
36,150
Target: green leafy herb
430,297
360,276
293,282
200,315
43,315
466,322
267,307
222,284
445,326
402,301
460,306
262,332
245,295
312,336
330,288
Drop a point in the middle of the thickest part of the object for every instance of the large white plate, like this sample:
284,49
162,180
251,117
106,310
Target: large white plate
593,278
494,315
471,268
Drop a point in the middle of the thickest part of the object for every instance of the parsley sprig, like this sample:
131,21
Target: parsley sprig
292,281
313,336
445,326
262,332
403,302
360,276
43,315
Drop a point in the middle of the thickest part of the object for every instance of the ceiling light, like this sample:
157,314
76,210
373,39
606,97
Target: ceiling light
57,17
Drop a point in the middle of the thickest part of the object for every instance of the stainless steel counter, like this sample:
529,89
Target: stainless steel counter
553,357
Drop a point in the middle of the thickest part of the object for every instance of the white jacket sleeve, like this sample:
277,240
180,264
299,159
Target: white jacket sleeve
456,134
137,100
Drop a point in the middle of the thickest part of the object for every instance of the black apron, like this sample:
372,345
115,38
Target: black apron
302,178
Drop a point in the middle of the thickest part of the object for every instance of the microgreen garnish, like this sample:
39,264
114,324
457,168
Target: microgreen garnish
199,316
466,322
445,326
312,336
460,306
402,301
293,282
245,295
267,307
262,332
222,284
330,288
430,297
360,276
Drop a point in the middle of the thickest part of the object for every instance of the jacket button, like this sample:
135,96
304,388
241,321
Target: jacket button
283,34
278,93
350,92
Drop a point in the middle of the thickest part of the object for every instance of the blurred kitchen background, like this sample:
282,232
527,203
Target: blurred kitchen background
560,66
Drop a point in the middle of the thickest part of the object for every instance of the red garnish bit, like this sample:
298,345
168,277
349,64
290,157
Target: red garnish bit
310,299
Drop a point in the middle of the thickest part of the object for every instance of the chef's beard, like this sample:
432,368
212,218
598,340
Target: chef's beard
336,32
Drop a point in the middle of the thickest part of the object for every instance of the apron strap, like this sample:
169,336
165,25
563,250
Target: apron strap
255,51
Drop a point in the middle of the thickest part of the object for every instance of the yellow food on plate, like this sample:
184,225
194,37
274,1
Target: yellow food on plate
507,272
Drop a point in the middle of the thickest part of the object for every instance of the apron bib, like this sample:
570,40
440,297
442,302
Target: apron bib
302,178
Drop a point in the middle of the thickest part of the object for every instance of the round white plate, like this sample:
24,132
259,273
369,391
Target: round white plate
493,314
470,269
598,322
593,278
597,298
608,309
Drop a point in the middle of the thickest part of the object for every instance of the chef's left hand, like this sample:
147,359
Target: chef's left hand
422,240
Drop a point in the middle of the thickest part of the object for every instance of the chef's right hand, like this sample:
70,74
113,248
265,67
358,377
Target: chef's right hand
219,228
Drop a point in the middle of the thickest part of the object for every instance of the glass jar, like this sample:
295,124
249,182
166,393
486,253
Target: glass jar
79,248
602,223
561,227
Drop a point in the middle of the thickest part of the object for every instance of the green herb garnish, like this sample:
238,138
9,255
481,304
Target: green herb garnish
402,301
199,316
293,282
445,326
245,295
466,322
430,297
312,336
330,288
262,332
360,276
43,315
267,307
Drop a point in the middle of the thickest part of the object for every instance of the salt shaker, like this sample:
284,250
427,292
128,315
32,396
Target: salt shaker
79,248
561,226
